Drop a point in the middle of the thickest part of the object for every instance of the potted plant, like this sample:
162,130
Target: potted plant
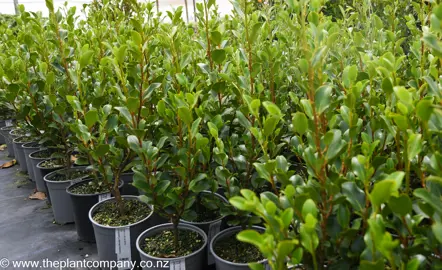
117,222
173,193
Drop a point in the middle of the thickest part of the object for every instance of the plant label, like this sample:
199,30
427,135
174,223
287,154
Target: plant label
178,264
122,245
103,197
8,123
214,228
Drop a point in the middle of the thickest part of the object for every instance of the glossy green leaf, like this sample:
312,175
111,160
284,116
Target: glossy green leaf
322,98
251,237
309,207
185,115
414,145
437,231
91,118
270,125
300,123
400,205
381,192
218,56
354,195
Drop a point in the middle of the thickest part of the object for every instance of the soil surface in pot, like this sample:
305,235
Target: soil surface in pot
64,176
207,208
43,154
32,145
108,213
18,132
162,245
91,187
233,250
25,139
52,163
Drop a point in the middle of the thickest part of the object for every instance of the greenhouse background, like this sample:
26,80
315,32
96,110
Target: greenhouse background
7,6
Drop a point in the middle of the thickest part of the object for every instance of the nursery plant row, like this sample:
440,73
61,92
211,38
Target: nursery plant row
298,134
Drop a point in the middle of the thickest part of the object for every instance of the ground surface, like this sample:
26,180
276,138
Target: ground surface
27,231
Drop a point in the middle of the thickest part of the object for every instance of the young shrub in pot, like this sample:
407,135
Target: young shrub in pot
102,138
173,194
102,143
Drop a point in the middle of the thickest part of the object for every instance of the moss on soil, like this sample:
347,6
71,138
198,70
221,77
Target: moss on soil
52,163
43,154
33,145
162,245
25,139
90,187
233,250
107,213
18,132
64,175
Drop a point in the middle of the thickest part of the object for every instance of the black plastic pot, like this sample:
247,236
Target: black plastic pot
12,136
20,153
211,228
38,178
5,132
44,171
117,242
61,201
81,204
222,264
193,261
2,138
29,148
128,188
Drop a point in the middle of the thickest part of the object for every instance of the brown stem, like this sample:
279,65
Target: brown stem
249,48
206,25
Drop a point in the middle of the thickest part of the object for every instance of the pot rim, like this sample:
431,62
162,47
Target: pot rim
78,168
236,228
132,197
29,147
165,226
31,157
88,195
14,129
207,222
6,128
128,173
17,138
38,164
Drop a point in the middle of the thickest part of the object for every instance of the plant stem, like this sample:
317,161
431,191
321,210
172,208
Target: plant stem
206,25
249,48
175,222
